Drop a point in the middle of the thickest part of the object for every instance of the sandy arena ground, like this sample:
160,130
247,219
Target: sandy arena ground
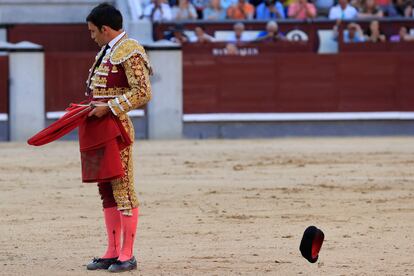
234,207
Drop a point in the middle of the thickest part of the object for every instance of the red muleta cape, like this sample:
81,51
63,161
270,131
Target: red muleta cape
100,140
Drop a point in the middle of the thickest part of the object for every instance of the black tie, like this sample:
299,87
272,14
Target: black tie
98,62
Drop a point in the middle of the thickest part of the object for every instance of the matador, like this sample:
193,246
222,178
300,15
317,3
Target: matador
117,83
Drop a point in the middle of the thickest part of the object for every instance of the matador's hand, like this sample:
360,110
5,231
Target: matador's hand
98,110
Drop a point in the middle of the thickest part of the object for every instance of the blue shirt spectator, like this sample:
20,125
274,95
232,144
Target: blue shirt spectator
270,9
353,34
353,39
324,4
214,11
227,3
271,34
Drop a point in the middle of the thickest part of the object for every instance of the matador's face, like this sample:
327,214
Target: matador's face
97,35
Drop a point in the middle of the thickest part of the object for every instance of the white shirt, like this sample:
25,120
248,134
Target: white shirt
179,14
336,12
114,41
162,14
232,38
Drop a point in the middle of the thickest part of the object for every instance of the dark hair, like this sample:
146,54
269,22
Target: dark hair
105,14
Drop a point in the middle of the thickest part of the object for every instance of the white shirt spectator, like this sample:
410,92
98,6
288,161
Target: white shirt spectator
233,38
184,14
163,13
136,9
336,12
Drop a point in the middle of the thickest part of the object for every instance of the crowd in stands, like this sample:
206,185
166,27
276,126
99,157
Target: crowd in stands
273,10
238,35
176,10
353,33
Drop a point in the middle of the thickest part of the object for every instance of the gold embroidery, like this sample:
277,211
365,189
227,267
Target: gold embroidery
136,66
124,188
126,49
109,92
102,68
89,80
97,81
114,69
114,107
101,73
138,72
139,92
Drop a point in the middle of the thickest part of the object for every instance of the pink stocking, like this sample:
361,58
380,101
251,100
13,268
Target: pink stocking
113,229
129,227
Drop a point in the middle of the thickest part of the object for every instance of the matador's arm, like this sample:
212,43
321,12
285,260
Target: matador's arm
139,93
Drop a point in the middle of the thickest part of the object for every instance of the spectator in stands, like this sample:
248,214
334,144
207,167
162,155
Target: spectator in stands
402,35
240,11
374,33
301,9
200,6
255,3
286,3
357,4
343,11
399,8
270,9
178,35
323,7
382,4
408,12
353,34
370,9
184,11
231,49
158,11
214,11
225,4
271,34
238,35
202,36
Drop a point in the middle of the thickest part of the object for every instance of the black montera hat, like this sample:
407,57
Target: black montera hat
311,243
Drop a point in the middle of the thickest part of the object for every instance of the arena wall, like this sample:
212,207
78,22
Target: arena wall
265,90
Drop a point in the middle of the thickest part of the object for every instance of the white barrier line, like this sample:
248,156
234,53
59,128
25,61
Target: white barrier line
311,116
58,114
4,117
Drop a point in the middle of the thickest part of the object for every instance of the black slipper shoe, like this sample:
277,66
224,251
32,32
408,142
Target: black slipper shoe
100,263
120,266
311,243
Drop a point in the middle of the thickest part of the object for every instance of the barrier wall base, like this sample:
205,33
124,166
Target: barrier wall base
286,129
4,131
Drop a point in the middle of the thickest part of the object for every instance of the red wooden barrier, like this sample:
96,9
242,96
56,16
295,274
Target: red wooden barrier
66,73
376,47
267,82
4,84
54,37
304,82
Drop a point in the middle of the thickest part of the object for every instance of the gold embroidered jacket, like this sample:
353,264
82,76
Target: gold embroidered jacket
122,77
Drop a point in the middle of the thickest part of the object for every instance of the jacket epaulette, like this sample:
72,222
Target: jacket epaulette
126,49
